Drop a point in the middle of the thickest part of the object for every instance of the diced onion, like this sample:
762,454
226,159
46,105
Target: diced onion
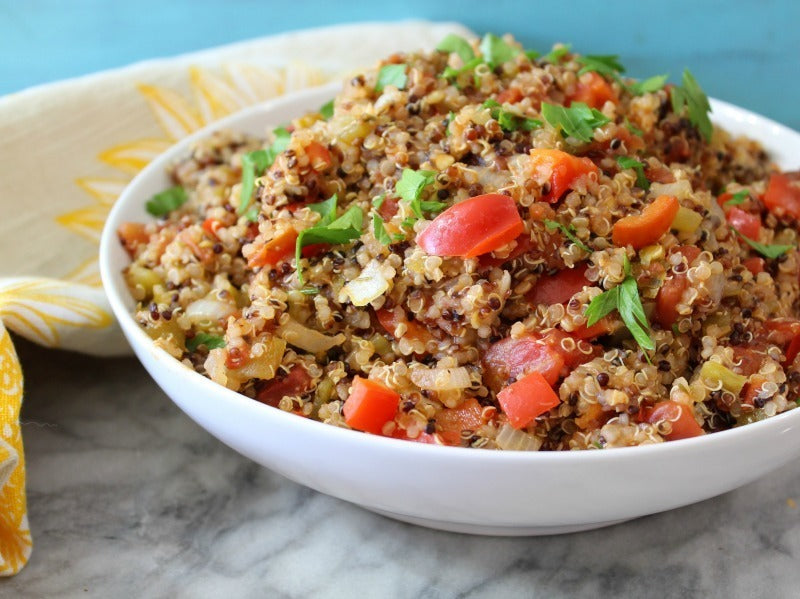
369,285
511,439
680,189
265,365
441,379
209,309
308,339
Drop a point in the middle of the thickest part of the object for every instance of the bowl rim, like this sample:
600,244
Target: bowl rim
117,293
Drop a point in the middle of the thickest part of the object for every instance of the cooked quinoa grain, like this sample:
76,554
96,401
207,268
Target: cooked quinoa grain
524,254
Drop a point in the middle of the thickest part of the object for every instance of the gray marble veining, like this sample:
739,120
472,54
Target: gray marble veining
129,498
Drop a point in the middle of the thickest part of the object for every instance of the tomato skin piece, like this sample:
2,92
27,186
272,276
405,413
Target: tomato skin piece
598,329
389,319
593,90
560,287
672,290
296,382
782,196
473,227
755,265
132,235
319,156
511,357
747,224
786,333
275,251
450,422
529,397
646,228
562,170
369,406
510,95
684,426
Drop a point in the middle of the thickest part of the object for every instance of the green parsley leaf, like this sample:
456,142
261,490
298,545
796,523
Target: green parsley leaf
326,110
344,229
740,197
604,64
392,74
532,54
379,230
408,222
309,290
168,200
495,51
326,209
650,85
691,95
556,54
255,163
377,201
633,128
624,298
578,121
675,330
569,233
510,121
252,213
450,116
456,43
628,162
210,341
410,188
451,72
768,251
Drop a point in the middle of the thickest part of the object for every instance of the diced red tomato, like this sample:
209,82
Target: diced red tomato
511,357
450,422
132,235
598,329
755,265
593,91
747,224
388,208
752,388
389,319
784,332
562,170
529,397
319,156
275,251
683,422
524,245
296,382
510,95
473,227
648,227
369,406
782,196
560,287
671,291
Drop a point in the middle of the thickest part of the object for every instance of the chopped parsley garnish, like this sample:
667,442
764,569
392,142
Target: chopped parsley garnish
168,200
649,85
450,72
556,54
392,74
568,231
329,229
641,179
578,121
408,222
450,116
377,201
379,230
309,290
495,51
604,64
624,298
210,341
410,188
510,121
532,54
740,197
326,110
768,251
252,213
255,163
691,95
456,43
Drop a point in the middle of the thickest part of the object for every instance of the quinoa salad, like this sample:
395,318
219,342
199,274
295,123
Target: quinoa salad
484,246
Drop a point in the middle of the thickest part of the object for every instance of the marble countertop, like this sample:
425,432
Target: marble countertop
128,497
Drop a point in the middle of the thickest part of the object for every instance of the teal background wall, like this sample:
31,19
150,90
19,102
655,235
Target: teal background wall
744,52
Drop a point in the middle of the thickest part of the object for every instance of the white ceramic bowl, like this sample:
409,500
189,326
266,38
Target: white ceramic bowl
465,490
